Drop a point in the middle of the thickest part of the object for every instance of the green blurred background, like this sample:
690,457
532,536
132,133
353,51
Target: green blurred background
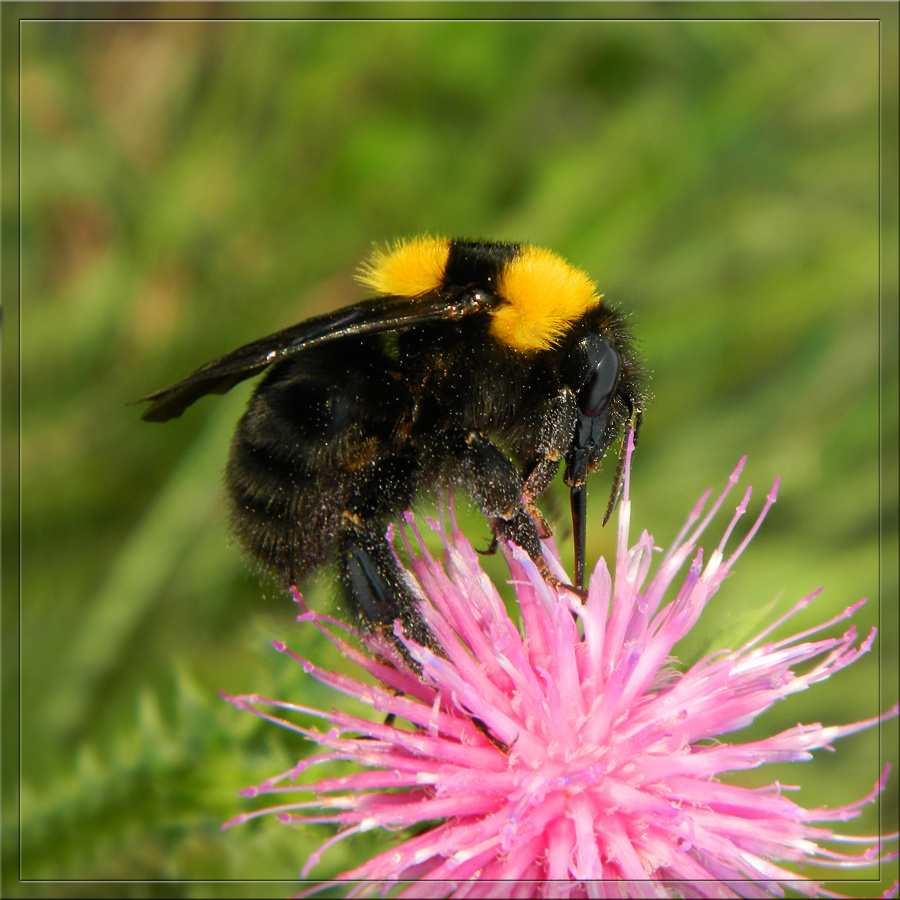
188,186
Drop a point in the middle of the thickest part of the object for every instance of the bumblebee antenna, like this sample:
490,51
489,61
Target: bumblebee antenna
635,418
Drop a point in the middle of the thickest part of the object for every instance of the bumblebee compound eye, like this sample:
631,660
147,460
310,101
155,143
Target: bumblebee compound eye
594,396
601,367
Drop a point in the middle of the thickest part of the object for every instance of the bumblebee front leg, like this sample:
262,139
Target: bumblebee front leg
556,426
536,483
495,485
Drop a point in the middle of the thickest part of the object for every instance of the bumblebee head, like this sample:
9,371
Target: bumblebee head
601,373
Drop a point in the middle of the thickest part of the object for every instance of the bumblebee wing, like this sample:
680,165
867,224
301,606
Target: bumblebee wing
368,317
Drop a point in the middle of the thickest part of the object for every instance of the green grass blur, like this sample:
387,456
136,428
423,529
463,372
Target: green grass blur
188,186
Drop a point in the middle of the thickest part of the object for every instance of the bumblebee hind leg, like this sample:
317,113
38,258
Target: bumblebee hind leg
372,580
375,586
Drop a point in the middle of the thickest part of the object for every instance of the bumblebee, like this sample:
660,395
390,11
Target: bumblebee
486,365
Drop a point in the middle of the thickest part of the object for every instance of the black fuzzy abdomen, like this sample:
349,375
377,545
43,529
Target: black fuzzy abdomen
321,440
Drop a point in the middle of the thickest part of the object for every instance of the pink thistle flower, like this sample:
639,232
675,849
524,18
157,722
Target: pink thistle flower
601,774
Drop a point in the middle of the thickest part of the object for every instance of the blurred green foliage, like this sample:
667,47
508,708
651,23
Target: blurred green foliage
187,186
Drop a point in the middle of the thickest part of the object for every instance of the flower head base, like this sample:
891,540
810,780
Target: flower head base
571,757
